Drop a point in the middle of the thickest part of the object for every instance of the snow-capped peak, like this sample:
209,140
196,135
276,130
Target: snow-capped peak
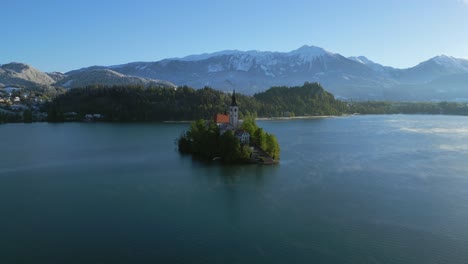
361,59
444,59
205,56
451,62
309,52
305,52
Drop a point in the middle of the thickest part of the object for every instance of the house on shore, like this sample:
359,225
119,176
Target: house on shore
243,136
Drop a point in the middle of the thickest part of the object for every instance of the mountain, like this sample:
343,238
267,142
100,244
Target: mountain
432,69
254,71
385,70
24,76
250,72
106,77
56,76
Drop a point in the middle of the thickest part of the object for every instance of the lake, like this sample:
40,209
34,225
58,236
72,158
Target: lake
359,189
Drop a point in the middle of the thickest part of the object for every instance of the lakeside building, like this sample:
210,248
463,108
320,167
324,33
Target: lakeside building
230,122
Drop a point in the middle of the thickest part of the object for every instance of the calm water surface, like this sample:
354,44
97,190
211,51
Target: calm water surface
366,189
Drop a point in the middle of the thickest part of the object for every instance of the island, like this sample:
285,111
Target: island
227,139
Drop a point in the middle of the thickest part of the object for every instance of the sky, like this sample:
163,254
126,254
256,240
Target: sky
61,35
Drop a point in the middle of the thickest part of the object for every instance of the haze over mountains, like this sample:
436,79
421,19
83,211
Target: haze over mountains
439,78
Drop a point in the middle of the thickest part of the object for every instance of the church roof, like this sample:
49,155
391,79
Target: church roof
220,118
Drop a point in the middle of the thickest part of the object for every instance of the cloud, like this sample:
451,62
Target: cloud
464,2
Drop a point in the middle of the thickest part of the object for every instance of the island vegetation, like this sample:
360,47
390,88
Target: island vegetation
228,139
205,139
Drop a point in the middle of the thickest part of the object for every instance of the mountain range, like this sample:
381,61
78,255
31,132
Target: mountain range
249,72
24,76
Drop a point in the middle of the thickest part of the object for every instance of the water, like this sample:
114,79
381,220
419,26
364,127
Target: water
365,189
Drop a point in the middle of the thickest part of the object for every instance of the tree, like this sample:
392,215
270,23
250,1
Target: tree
259,138
245,152
272,146
184,143
249,124
27,116
230,148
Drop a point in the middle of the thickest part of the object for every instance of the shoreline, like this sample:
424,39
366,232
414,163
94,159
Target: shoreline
271,118
298,117
190,121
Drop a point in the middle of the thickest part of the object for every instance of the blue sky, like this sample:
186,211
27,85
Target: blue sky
60,35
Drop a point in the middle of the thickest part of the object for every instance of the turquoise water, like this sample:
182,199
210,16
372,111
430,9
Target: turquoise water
361,189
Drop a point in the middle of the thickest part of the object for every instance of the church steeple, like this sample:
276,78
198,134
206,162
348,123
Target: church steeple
234,111
233,100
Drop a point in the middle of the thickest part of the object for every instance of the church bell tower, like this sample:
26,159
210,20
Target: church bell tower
234,111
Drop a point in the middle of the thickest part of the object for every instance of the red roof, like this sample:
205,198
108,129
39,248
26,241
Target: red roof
220,118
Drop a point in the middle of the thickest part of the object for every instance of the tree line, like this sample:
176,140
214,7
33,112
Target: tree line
431,108
137,103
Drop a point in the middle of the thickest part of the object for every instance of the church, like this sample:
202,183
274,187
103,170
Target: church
230,121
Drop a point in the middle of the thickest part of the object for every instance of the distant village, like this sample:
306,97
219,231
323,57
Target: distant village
17,101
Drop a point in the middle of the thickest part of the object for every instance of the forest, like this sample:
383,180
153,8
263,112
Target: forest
135,103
